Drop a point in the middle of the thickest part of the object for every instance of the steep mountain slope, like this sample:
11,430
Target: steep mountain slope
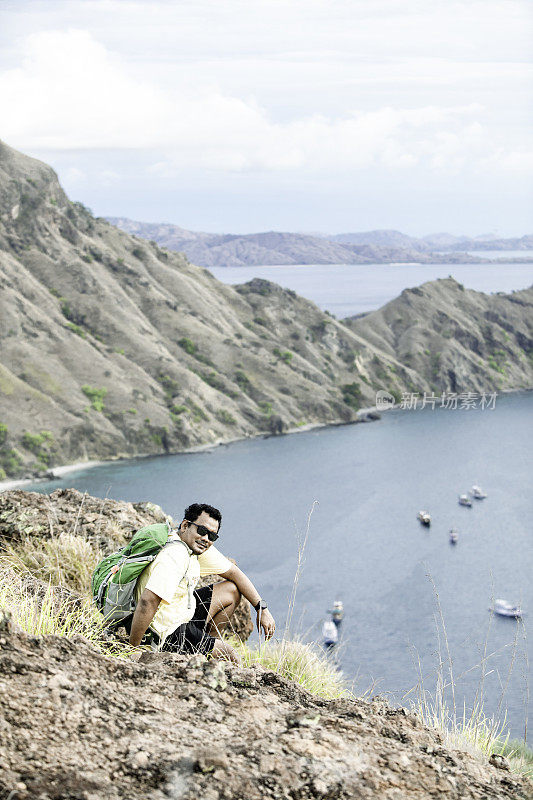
110,346
456,339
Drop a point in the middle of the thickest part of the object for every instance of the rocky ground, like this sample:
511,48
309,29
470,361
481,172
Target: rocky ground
106,524
75,725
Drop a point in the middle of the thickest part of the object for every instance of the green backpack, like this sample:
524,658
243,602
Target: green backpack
114,579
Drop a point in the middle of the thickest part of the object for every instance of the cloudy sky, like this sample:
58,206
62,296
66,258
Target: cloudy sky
308,115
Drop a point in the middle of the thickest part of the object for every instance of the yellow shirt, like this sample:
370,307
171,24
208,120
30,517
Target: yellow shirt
173,575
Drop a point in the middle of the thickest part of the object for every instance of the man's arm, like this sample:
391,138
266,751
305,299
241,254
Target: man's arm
144,614
265,620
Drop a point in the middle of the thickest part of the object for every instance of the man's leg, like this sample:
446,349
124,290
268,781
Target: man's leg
224,601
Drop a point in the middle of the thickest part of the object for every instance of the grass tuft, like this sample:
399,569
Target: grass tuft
65,560
303,662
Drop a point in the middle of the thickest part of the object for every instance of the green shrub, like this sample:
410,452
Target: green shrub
497,361
35,441
3,433
198,412
76,329
266,407
11,461
286,355
38,444
170,385
132,411
188,345
224,416
96,396
65,308
243,381
351,394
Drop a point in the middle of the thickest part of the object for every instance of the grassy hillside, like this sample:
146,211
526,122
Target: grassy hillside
111,346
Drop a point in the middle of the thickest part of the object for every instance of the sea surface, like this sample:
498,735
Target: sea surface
347,289
411,598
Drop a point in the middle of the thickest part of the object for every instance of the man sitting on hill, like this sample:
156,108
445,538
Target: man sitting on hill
176,617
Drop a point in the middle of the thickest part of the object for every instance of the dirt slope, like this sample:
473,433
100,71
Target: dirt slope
76,726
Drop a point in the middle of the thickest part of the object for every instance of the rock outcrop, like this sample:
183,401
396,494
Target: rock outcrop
104,524
77,726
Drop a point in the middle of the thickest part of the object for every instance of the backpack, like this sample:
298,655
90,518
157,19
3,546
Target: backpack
114,579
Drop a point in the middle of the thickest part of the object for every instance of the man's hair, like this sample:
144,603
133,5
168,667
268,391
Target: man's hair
193,511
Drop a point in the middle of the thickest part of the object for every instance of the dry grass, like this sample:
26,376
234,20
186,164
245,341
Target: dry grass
303,662
471,729
65,559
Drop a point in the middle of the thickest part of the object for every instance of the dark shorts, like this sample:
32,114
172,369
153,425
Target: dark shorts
192,637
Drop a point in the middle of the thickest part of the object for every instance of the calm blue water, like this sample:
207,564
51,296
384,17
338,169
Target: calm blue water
365,544
347,289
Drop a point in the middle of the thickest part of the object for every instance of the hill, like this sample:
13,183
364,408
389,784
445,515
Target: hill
113,347
211,250
370,247
456,339
79,725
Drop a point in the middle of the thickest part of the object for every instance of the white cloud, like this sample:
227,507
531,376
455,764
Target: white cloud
72,93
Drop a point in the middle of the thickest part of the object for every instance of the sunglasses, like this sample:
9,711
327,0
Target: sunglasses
203,531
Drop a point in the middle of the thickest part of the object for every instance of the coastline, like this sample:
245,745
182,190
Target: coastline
363,415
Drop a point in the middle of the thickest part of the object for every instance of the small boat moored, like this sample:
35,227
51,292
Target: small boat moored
505,609
464,500
453,536
477,493
424,517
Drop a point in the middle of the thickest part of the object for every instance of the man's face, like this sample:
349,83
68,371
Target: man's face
190,535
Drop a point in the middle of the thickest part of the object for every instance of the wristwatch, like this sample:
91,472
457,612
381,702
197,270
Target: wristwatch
260,605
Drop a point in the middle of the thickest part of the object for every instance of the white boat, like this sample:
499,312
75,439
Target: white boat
453,536
424,517
505,609
477,493
464,500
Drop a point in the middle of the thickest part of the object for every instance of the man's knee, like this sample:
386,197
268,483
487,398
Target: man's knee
235,593
225,594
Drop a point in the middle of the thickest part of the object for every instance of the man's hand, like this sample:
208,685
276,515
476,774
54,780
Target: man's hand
225,652
265,620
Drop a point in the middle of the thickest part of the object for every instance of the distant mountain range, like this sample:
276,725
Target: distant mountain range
271,247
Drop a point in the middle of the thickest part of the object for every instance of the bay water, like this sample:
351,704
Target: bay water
399,582
348,289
